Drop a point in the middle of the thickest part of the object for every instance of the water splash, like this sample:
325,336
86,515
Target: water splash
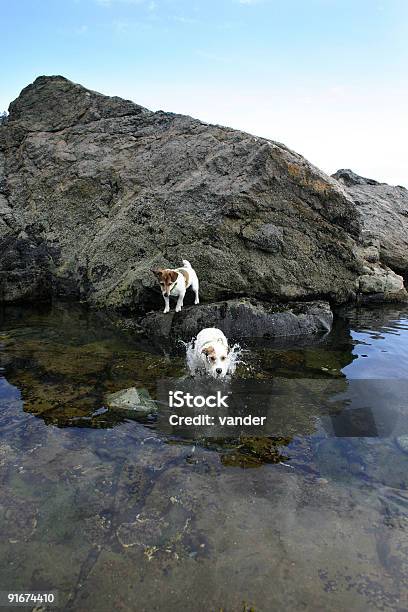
195,365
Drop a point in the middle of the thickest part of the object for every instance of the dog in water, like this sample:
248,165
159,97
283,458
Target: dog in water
211,353
176,282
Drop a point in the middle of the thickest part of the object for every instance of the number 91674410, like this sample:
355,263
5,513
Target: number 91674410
25,598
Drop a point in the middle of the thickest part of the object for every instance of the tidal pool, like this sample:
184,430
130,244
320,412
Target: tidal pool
122,513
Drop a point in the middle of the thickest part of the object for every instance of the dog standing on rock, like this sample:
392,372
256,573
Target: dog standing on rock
176,282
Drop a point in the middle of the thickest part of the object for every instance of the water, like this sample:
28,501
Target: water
123,513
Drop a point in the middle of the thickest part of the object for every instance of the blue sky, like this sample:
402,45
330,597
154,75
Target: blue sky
329,78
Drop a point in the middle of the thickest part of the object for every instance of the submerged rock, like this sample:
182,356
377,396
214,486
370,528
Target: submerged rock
243,318
402,442
254,451
132,400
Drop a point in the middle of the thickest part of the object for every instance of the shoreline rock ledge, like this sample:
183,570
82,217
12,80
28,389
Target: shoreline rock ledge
243,318
95,191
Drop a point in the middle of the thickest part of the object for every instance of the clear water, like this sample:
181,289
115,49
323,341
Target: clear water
116,513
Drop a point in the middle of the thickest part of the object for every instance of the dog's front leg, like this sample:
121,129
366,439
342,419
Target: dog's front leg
166,303
195,288
179,304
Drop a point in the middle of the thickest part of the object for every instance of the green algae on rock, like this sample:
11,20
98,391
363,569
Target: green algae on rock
254,451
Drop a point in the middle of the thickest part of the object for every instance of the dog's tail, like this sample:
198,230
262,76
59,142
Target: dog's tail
186,263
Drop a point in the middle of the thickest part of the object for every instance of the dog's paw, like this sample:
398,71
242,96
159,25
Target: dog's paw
165,311
197,302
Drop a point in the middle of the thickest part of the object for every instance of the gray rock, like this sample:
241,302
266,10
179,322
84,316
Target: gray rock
377,281
381,281
402,442
95,191
384,214
131,401
243,318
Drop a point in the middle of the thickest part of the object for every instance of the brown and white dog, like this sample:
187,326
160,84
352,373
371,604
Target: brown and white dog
176,282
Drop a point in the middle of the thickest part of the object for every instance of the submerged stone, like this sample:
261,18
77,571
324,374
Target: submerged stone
132,400
254,451
402,442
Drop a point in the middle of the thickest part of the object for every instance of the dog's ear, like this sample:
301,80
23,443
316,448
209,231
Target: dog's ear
208,350
156,271
173,276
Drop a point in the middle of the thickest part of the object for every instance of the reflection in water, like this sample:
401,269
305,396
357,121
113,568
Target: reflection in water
126,513
380,343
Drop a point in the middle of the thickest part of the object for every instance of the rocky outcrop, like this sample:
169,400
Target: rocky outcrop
377,282
380,283
95,191
243,318
384,213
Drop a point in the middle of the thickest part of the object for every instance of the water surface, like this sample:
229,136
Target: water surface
122,513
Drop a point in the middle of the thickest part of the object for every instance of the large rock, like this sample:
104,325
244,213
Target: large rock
384,213
243,318
94,191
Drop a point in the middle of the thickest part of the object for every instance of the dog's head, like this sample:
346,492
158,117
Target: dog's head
167,279
216,359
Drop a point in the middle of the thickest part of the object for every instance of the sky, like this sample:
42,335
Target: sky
328,78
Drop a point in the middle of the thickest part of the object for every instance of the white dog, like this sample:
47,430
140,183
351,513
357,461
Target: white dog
176,282
211,353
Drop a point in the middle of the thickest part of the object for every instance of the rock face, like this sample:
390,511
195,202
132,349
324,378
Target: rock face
384,213
243,318
95,191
